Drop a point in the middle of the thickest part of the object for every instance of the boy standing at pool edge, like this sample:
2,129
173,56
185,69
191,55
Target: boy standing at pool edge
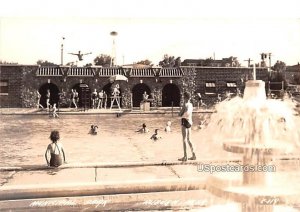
186,113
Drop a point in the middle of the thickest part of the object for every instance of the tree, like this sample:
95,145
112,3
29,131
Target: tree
5,62
45,63
145,62
277,74
296,79
88,65
178,62
168,61
102,60
279,66
208,62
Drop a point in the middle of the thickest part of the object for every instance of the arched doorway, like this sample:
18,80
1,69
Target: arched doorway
54,93
137,93
84,94
170,93
108,88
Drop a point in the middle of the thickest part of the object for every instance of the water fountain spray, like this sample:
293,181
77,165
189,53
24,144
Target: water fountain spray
259,129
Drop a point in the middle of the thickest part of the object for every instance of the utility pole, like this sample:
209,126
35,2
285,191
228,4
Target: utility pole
113,53
249,61
62,52
270,64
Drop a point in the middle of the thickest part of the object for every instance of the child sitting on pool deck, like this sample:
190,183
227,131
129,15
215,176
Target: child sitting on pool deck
56,150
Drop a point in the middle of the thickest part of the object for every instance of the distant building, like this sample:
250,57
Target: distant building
225,62
165,86
292,73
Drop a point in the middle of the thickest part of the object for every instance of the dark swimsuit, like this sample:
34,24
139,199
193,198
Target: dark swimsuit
56,160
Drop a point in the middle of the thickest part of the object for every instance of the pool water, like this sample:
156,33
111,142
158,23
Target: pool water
24,138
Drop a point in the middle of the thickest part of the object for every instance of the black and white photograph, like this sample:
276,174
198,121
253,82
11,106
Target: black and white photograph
139,105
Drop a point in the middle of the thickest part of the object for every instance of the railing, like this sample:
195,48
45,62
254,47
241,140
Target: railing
170,72
110,71
49,71
81,72
142,72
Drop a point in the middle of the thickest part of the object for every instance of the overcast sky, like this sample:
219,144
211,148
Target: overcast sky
32,30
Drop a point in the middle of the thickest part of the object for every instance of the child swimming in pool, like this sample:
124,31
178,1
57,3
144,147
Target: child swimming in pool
93,130
144,129
155,136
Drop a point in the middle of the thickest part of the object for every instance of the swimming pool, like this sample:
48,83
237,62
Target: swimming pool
24,138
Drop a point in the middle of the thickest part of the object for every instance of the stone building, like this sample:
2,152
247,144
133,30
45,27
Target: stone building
165,86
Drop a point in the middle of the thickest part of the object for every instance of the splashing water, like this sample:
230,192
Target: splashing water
256,120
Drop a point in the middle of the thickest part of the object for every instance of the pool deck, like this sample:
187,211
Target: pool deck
81,111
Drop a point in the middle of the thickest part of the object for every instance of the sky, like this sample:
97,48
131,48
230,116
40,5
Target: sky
32,30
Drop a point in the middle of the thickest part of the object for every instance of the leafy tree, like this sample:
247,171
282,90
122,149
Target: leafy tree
277,74
279,66
208,62
168,61
102,60
5,62
88,65
145,62
296,79
73,64
178,62
278,77
45,63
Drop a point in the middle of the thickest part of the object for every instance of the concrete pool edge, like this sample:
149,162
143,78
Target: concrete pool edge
116,165
100,188
133,164
67,111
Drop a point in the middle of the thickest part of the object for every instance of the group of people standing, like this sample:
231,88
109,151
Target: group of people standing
48,105
99,100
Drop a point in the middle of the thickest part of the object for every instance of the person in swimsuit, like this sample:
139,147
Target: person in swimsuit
100,101
38,99
93,130
48,99
115,94
56,151
76,96
54,112
155,136
186,113
94,98
104,99
144,129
